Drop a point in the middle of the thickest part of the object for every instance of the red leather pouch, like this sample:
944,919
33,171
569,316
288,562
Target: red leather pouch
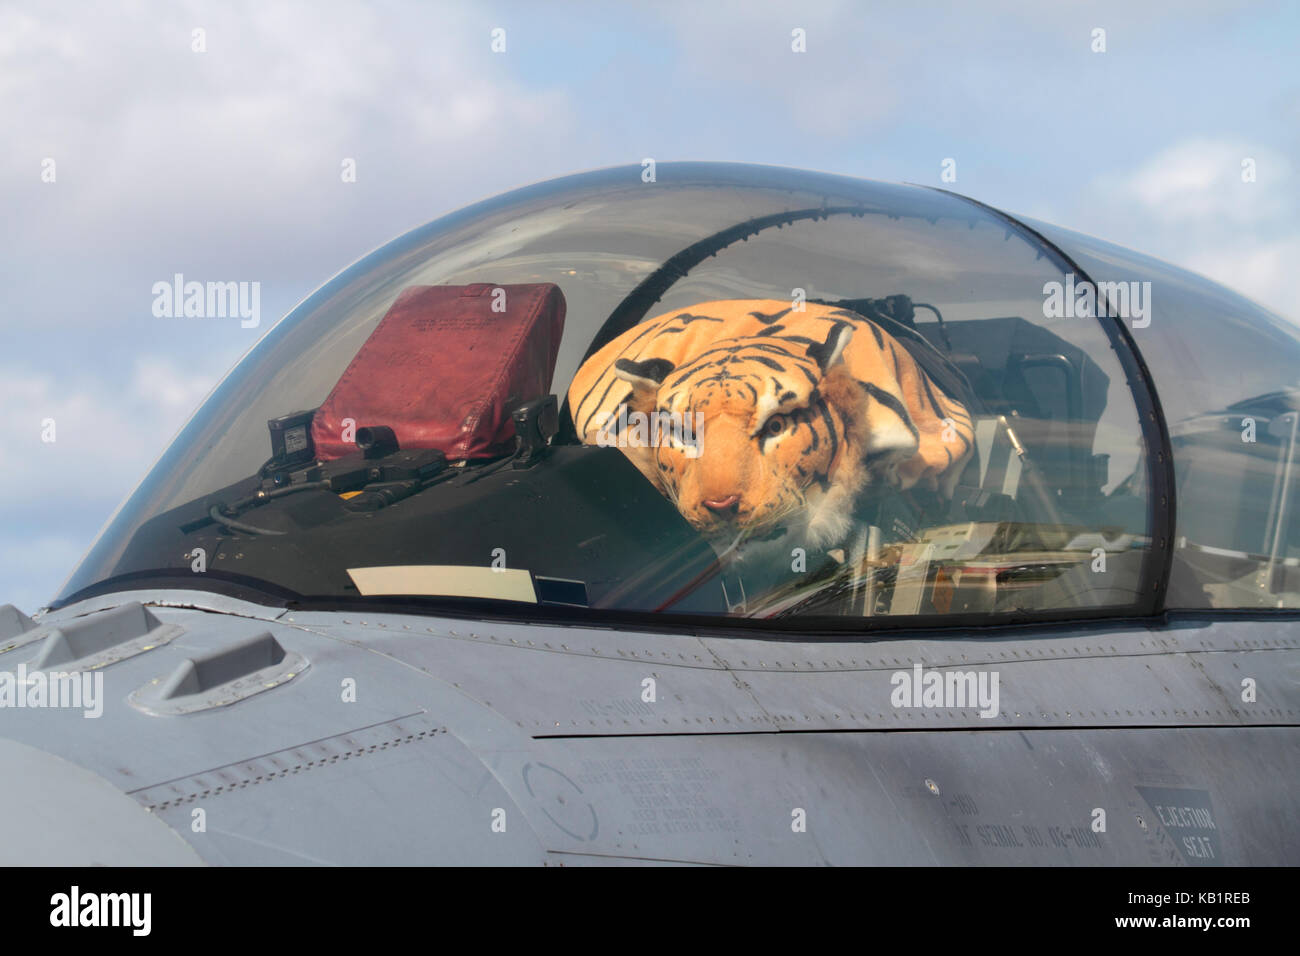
445,367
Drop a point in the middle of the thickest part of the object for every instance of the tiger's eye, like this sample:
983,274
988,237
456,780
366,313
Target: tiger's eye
775,425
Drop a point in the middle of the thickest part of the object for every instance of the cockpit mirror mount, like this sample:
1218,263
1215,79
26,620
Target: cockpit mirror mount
536,423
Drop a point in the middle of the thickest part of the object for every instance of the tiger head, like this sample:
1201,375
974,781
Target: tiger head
760,435
752,416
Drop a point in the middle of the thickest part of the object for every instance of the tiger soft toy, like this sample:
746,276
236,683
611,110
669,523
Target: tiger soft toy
749,415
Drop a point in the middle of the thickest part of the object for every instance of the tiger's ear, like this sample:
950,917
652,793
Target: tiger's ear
832,350
645,379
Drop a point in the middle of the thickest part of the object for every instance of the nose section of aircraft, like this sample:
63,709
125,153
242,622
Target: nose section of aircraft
55,813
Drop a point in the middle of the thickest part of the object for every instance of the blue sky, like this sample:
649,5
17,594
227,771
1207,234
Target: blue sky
225,164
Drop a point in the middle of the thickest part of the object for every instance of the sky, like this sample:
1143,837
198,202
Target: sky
130,155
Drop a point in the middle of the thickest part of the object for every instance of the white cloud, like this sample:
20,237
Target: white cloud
155,142
1200,180
32,566
1187,204
55,495
740,55
176,392
105,436
1263,270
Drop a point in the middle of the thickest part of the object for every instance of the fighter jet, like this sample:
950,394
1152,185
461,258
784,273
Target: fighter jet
706,513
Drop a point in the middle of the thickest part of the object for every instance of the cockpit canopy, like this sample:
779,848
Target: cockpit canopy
739,392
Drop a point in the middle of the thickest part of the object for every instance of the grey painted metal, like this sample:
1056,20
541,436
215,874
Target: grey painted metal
933,798
457,729
1171,676
54,813
99,640
172,597
218,678
13,622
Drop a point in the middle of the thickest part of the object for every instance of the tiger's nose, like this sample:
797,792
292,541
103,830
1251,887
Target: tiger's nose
731,503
